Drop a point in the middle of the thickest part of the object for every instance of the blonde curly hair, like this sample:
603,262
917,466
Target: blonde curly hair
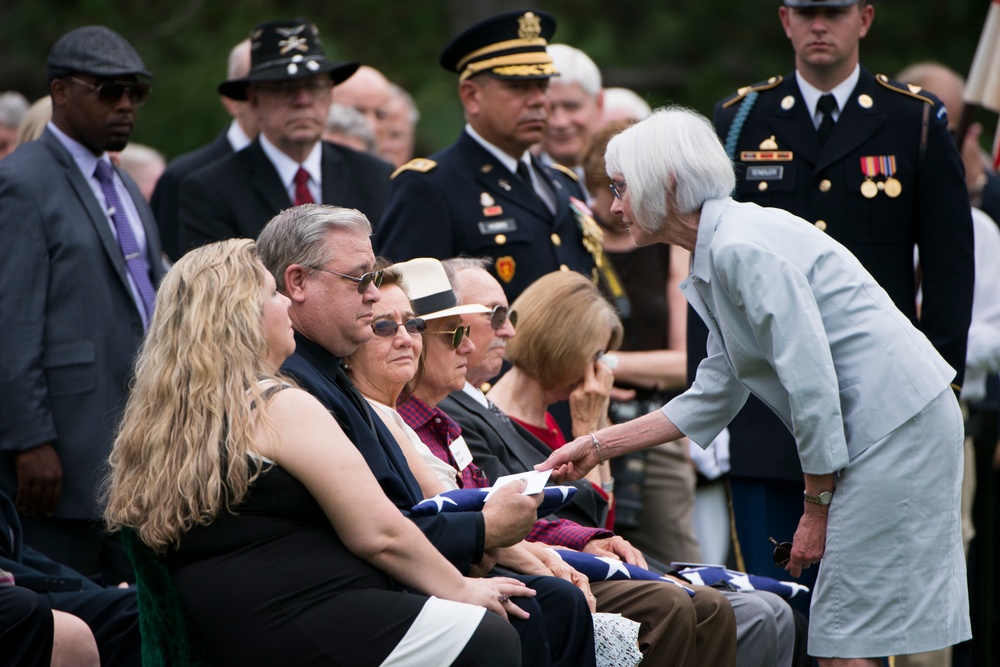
181,455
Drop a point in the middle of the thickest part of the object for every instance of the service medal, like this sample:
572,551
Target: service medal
893,187
869,189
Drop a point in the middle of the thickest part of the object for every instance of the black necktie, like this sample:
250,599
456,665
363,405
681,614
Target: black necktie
524,173
344,382
827,105
500,414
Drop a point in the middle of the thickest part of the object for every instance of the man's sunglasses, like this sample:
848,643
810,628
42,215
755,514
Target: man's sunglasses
782,552
500,314
112,91
456,336
386,328
363,282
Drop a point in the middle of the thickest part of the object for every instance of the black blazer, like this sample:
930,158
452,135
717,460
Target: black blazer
504,448
166,196
71,326
236,196
822,184
470,204
458,535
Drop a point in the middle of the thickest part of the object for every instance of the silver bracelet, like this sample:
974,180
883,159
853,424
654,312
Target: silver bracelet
597,446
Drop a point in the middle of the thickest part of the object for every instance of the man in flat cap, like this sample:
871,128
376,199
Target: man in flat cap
870,162
290,90
486,195
79,262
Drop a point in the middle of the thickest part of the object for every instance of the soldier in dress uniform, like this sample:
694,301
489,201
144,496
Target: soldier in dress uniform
870,162
485,195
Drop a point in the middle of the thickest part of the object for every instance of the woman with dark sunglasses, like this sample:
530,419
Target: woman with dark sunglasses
383,367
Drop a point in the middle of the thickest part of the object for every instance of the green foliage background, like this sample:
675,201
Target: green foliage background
689,52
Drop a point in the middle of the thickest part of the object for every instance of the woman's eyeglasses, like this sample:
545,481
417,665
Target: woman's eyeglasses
386,328
363,282
782,552
618,188
456,336
499,315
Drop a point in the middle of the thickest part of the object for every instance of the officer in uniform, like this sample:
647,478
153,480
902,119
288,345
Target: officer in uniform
872,165
485,195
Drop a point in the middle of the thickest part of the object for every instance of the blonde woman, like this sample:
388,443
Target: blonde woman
279,541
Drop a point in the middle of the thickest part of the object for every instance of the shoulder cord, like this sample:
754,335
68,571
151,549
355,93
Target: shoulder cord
736,127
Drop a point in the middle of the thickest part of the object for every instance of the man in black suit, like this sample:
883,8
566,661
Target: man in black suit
289,89
79,262
321,258
486,196
879,172
237,136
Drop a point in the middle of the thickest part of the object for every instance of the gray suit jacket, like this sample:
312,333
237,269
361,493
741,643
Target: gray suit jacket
794,318
503,448
71,327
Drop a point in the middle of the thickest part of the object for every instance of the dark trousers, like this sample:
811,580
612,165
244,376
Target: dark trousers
765,508
26,628
83,545
560,631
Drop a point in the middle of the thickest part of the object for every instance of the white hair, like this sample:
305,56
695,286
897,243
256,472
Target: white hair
575,66
672,163
625,103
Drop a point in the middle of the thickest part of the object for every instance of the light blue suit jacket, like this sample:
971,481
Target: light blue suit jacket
794,318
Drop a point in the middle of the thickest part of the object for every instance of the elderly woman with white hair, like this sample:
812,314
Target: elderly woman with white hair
794,318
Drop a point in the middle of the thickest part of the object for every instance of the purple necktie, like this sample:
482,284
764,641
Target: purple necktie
138,268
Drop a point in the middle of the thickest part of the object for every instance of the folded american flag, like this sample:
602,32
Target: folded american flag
472,500
708,575
604,568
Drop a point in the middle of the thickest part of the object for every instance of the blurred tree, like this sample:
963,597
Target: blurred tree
690,52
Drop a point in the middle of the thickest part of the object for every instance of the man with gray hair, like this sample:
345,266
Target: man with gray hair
13,106
321,258
237,136
577,100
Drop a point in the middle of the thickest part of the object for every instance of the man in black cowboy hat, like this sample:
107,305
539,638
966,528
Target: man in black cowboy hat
290,89
486,195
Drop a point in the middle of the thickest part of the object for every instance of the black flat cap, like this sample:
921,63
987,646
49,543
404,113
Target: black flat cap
508,46
94,50
820,3
283,50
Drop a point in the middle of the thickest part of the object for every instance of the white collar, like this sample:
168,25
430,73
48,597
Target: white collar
842,92
504,159
287,167
476,394
237,138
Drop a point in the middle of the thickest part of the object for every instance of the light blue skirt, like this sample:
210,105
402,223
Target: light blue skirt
892,580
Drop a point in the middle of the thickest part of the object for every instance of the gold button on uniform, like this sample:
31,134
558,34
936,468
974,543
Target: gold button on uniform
556,241
821,225
762,186
825,185
500,239
563,267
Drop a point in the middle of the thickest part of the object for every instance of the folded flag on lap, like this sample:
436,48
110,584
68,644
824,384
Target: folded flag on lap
472,500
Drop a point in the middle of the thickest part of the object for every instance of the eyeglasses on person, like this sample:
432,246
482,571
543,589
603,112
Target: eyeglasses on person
782,552
618,188
456,336
499,315
363,282
385,328
112,91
